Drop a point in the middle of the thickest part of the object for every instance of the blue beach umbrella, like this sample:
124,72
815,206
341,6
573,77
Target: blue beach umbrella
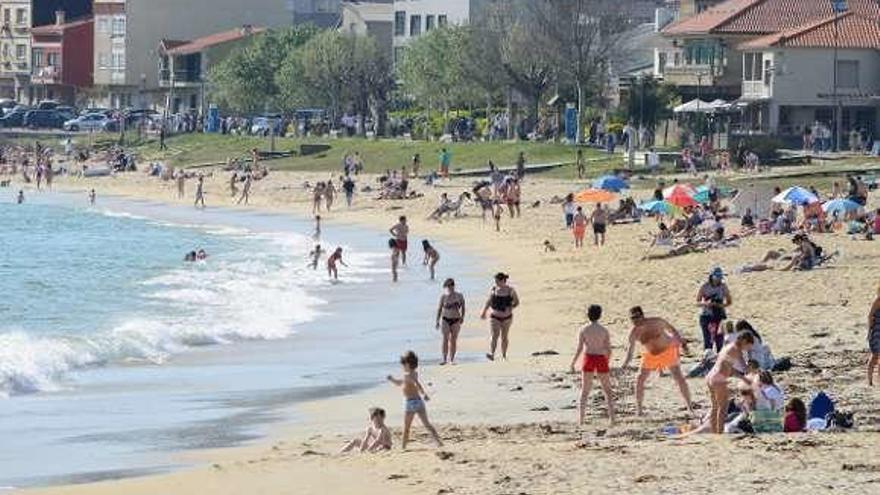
610,183
840,206
702,194
796,195
660,208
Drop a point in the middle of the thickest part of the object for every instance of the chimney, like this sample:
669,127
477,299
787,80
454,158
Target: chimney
60,17
247,30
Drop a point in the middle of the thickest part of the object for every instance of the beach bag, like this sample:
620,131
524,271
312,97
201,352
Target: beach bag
782,364
839,420
820,406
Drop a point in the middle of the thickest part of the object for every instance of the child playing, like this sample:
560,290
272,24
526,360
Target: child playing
376,438
595,342
414,397
332,269
315,255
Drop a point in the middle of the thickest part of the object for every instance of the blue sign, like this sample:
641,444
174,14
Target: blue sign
839,6
571,123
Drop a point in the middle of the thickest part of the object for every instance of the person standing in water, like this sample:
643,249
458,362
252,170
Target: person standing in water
450,316
502,301
200,192
181,184
400,233
92,197
315,256
662,349
20,198
332,269
594,341
874,338
395,258
431,257
317,234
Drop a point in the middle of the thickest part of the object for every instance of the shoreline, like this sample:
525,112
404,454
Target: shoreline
477,405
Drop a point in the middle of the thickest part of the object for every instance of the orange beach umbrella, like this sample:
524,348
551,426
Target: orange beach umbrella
595,196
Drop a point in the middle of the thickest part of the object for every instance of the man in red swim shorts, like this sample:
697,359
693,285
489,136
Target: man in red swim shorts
400,233
594,342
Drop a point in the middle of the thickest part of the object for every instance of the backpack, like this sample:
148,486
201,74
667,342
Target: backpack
820,406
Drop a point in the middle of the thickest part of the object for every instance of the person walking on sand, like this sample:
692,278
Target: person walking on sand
332,269
594,341
162,145
521,165
317,197
662,347
233,181
348,187
246,189
713,299
579,162
450,316
599,219
445,160
200,193
874,338
414,398
431,257
512,195
400,233
731,362
416,164
579,227
329,194
181,184
502,300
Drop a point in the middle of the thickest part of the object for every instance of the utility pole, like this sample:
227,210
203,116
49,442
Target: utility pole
839,7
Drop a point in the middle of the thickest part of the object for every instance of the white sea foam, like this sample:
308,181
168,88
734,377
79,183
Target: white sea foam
231,298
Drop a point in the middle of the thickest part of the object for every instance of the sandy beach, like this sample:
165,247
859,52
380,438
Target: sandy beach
509,427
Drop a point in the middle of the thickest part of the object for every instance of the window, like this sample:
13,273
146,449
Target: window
20,52
400,23
103,25
441,20
848,74
661,62
753,66
103,60
117,60
119,25
415,25
7,16
429,23
52,59
37,54
20,17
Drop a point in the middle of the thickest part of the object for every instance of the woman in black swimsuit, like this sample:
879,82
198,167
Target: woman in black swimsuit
502,300
450,316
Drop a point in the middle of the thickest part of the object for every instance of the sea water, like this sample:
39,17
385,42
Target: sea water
115,352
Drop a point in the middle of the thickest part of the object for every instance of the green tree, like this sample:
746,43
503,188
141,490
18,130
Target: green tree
246,80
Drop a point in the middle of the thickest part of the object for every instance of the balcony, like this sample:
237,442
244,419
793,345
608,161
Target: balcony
756,90
182,78
693,75
50,74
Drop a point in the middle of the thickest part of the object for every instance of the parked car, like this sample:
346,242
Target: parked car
91,122
48,105
14,118
43,119
6,105
261,125
104,111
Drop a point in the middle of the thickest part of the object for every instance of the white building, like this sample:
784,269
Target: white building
412,18
15,48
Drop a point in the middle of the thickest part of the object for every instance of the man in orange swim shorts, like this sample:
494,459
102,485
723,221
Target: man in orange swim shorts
661,343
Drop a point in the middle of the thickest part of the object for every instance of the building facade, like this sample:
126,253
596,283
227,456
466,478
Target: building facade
62,59
15,49
413,18
128,33
374,18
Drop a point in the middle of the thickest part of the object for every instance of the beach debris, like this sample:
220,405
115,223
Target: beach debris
819,335
217,466
646,478
499,430
548,429
392,477
504,479
444,456
864,468
540,409
549,352
311,452
444,491
517,388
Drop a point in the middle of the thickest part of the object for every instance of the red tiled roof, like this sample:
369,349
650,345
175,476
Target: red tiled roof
758,17
199,44
852,31
48,29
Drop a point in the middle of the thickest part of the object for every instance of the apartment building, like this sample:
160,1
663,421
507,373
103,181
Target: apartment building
128,34
17,18
62,58
412,18
370,18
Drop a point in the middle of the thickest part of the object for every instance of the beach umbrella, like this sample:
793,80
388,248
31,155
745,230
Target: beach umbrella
611,183
682,199
595,196
797,195
679,189
660,208
840,206
702,194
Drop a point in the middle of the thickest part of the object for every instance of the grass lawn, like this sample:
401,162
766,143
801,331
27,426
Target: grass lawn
378,155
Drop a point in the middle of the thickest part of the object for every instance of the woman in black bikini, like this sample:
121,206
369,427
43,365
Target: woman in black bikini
502,300
431,257
450,315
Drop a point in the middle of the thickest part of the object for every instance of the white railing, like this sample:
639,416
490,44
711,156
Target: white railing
755,89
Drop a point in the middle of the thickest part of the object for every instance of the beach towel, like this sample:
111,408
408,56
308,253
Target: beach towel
766,421
820,406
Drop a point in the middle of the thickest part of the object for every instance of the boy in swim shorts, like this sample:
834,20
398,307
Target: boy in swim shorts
376,438
414,398
594,341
